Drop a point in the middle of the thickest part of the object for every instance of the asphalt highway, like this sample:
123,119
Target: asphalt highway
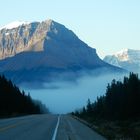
45,127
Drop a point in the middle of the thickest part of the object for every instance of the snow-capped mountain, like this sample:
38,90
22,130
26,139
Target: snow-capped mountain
39,50
128,59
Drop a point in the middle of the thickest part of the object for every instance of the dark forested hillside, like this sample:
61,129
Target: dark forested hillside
117,113
121,101
13,102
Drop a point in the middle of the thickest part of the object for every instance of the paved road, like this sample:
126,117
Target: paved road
45,127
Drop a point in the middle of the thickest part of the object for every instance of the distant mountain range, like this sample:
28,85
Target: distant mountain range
40,51
128,59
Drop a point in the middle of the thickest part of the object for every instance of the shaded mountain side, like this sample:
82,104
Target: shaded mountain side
37,67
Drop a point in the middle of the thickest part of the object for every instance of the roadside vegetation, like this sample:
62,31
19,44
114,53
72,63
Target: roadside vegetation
14,102
117,113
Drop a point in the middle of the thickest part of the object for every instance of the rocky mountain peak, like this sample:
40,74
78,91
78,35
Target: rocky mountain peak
19,37
128,59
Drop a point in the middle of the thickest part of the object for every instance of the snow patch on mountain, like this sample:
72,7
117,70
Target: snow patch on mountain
129,55
14,24
122,55
128,59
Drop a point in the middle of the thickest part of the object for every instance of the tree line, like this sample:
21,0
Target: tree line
120,102
14,102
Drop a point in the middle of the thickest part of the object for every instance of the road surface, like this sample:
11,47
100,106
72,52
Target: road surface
45,127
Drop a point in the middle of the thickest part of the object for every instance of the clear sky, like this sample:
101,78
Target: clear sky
107,25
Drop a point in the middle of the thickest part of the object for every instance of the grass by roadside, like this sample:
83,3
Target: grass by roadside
115,130
118,130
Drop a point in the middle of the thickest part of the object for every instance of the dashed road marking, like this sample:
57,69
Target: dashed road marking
10,126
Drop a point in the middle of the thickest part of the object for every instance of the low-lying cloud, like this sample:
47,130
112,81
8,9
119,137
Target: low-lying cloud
67,96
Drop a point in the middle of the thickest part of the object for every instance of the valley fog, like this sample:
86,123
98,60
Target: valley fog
65,97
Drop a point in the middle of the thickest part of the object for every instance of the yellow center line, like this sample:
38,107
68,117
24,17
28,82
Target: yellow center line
10,126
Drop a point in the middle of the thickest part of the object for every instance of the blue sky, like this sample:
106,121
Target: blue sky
107,25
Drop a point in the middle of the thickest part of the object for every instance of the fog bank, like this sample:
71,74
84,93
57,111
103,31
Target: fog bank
65,96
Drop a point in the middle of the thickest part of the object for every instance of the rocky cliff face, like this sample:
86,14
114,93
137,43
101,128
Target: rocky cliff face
26,37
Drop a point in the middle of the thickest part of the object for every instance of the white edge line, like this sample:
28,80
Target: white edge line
56,128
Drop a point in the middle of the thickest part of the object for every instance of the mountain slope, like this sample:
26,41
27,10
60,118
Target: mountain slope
40,50
127,59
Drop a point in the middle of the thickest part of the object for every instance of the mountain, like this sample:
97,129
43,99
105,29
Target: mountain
128,59
39,51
